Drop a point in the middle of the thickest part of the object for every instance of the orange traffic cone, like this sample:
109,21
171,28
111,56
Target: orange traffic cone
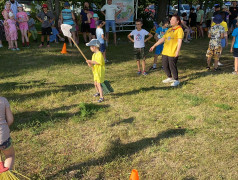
134,175
64,51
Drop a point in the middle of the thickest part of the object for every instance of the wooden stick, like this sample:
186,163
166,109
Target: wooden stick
79,49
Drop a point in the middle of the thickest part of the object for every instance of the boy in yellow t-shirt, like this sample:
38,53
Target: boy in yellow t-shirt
98,67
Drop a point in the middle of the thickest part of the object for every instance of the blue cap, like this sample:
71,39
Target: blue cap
66,4
217,19
93,42
95,15
98,22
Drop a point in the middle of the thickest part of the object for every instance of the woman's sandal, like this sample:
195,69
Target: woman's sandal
96,95
101,100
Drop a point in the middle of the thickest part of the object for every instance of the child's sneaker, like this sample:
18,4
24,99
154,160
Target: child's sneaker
96,95
106,61
100,100
152,68
1,45
139,72
168,80
220,64
40,46
234,72
217,69
17,49
175,83
144,73
48,46
208,68
13,49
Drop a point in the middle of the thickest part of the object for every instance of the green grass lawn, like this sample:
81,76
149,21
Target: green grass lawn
61,132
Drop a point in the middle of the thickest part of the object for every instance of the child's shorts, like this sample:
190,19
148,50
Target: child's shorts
223,42
139,53
102,48
5,145
46,31
235,52
93,31
159,49
214,52
23,26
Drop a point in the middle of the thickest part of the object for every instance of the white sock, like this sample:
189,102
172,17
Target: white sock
154,65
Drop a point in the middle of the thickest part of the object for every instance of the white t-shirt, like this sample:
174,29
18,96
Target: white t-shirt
110,11
139,37
99,33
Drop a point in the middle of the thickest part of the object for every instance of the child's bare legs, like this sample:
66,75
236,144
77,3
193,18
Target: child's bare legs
85,36
99,87
22,36
155,59
143,65
0,43
11,44
15,42
42,39
216,60
209,61
95,84
236,64
70,42
115,38
25,35
138,65
10,157
104,55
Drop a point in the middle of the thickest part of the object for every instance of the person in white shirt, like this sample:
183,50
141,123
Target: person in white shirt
139,44
111,13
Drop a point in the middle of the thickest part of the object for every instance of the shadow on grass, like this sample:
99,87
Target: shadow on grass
117,150
65,88
37,121
124,121
27,85
141,90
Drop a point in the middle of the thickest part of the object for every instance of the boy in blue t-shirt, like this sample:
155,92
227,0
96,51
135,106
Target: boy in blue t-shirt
234,49
159,33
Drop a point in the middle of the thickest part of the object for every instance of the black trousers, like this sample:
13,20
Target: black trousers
170,66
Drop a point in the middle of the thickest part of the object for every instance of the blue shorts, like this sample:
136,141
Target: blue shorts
5,145
159,49
112,24
102,48
223,42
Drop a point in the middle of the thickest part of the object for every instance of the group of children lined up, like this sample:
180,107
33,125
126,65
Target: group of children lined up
12,24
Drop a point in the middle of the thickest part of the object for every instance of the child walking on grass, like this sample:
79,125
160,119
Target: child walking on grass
159,33
6,119
98,66
139,44
234,48
216,33
12,32
22,19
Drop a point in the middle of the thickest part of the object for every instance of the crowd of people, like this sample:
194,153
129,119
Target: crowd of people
169,36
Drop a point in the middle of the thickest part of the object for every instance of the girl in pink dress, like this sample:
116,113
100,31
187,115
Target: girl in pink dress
5,14
12,32
22,19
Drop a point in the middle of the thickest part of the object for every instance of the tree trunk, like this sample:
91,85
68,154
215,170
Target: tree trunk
162,10
57,12
50,5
